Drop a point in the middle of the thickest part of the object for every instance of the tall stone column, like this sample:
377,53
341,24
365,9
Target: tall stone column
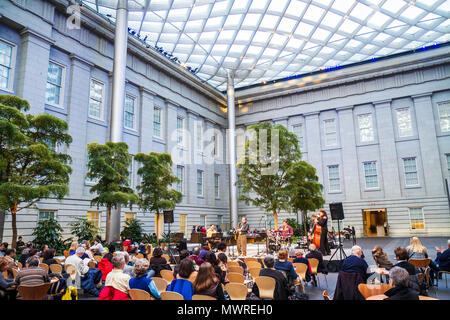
231,137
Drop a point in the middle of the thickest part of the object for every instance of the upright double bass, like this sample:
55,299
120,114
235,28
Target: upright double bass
317,230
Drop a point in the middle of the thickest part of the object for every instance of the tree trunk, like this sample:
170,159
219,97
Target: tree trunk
108,224
304,222
157,227
14,225
275,215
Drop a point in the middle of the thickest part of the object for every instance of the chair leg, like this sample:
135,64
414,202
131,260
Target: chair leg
318,281
326,281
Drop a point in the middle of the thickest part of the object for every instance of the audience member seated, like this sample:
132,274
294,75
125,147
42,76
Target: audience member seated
212,259
97,248
223,264
183,255
20,244
399,278
88,251
89,277
43,249
126,245
300,259
5,284
26,253
117,283
281,291
401,255
73,247
157,263
105,265
221,248
32,275
182,285
442,261
203,252
195,257
207,282
127,269
314,253
381,259
48,257
416,250
141,281
288,270
10,257
3,248
355,263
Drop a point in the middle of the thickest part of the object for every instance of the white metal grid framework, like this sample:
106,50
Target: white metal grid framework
264,40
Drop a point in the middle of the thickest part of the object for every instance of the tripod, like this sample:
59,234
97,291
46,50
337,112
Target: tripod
340,245
169,249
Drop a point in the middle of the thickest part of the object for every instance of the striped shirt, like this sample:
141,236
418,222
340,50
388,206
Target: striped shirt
32,276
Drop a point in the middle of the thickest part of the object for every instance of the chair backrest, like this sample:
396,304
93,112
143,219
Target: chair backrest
33,292
66,253
420,263
160,283
167,275
368,290
193,276
5,274
138,294
202,297
43,266
253,264
266,286
325,295
139,256
426,298
55,268
41,259
71,270
301,268
250,259
170,295
233,264
235,277
15,272
91,264
236,269
237,291
19,265
314,264
165,256
57,260
98,258
254,272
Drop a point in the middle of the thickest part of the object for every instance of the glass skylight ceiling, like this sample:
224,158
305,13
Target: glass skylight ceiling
263,40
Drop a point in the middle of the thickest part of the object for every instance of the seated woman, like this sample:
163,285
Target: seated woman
381,259
182,285
207,282
157,263
73,247
223,262
211,258
300,259
416,250
105,265
5,284
183,255
141,281
287,268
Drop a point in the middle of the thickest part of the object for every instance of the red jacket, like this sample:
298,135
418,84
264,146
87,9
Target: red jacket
127,243
105,267
109,293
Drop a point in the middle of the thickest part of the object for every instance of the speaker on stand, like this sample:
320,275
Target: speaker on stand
337,213
168,218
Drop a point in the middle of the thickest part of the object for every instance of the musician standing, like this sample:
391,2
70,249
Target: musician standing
323,222
242,230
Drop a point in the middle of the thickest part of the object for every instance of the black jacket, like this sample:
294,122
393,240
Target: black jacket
401,293
407,266
281,286
347,286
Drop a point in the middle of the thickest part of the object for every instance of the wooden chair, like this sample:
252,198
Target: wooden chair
138,294
236,269
103,254
160,284
139,256
71,270
91,264
237,291
202,297
250,259
66,253
233,264
5,274
368,290
33,292
98,258
301,269
55,268
437,278
19,265
314,264
193,276
266,286
15,272
254,272
235,277
167,275
57,260
165,256
420,263
41,259
253,264
325,295
43,266
170,295
426,298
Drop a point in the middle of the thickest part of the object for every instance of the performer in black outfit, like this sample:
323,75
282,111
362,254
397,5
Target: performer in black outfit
323,222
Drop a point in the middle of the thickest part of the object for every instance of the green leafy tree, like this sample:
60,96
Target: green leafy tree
155,192
84,229
49,232
108,165
133,230
31,166
264,176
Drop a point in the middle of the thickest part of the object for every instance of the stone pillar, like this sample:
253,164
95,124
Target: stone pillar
313,132
231,113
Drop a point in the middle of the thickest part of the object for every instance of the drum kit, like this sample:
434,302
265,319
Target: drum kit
276,242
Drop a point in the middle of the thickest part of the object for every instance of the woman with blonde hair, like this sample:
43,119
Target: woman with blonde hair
73,247
381,259
207,283
416,250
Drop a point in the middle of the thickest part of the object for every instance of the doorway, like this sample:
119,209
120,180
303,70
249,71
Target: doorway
375,223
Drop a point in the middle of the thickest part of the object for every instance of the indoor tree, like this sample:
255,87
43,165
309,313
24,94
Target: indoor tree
108,167
49,232
156,178
84,229
133,230
31,164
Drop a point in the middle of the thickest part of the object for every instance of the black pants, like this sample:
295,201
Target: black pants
324,247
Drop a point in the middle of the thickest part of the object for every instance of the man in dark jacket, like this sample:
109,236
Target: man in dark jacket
314,253
356,264
443,258
401,255
399,278
281,286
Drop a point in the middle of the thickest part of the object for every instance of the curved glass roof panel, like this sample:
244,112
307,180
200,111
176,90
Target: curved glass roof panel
264,40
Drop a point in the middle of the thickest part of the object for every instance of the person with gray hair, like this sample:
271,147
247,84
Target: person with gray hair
442,261
141,281
355,263
399,278
281,285
116,278
32,275
127,269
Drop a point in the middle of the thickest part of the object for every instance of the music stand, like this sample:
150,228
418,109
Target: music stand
340,245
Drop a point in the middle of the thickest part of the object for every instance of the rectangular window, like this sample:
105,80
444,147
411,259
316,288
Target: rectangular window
448,163
180,176
333,176
129,113
45,214
180,131
330,132
94,217
404,122
219,220
183,223
370,173
444,116
199,183
203,220
216,186
215,144
411,178
199,136
96,99
130,172
416,218
157,122
365,128
7,57
54,86
298,131
128,216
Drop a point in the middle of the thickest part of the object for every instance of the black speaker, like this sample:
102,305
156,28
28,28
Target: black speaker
168,216
333,265
336,210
